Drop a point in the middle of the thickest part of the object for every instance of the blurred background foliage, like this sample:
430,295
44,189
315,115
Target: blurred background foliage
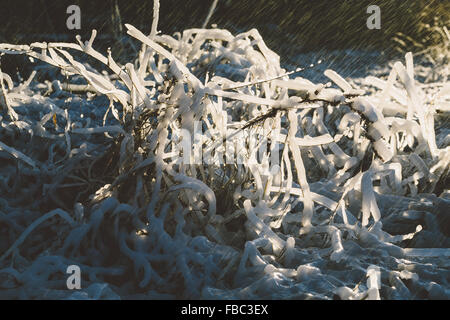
288,26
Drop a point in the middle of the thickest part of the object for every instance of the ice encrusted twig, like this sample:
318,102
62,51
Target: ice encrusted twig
34,225
17,154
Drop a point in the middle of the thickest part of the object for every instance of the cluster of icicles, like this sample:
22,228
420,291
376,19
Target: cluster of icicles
249,229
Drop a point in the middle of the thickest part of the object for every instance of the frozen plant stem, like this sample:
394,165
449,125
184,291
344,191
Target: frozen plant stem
210,13
154,29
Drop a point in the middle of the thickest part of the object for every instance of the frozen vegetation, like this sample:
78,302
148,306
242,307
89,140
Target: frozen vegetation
93,173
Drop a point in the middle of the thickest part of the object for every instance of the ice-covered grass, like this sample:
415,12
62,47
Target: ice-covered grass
94,174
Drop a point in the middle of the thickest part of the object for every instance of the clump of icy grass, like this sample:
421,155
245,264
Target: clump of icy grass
93,175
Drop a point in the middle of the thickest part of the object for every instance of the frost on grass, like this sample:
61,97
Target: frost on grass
335,190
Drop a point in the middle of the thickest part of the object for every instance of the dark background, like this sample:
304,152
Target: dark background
288,26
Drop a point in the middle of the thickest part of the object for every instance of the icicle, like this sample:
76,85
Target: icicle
373,283
369,203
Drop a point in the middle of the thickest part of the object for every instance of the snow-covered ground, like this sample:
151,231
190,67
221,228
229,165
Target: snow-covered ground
92,173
